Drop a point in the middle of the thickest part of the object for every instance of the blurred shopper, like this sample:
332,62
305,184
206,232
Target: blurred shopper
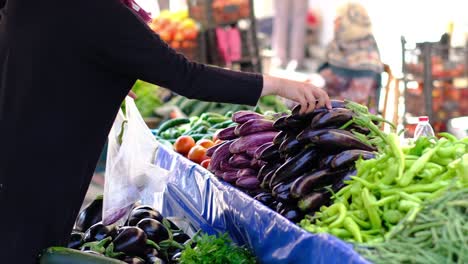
353,67
289,32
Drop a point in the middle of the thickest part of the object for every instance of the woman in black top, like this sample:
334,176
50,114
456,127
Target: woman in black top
65,68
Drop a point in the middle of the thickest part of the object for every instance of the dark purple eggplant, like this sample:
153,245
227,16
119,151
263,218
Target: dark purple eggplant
266,180
131,241
225,166
227,133
220,154
241,117
138,214
281,188
230,176
334,103
280,138
317,118
307,116
98,232
273,205
280,206
339,184
340,140
254,126
143,207
76,240
294,124
348,157
264,170
243,143
285,197
313,201
270,153
258,152
326,162
309,134
264,198
257,164
291,146
280,124
292,214
295,166
247,172
306,184
154,230
239,161
335,116
133,260
181,237
249,183
90,215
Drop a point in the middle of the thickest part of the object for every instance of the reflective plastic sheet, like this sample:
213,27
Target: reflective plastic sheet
197,195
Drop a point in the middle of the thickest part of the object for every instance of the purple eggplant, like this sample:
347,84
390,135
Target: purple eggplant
239,161
258,152
76,240
210,151
290,146
265,198
306,184
154,230
309,134
133,260
313,201
90,215
241,117
340,140
130,240
307,116
348,157
296,124
339,184
295,166
335,116
230,176
98,232
280,138
266,180
292,214
220,154
227,133
249,183
247,172
270,154
243,143
257,164
281,192
334,103
325,162
264,170
280,124
254,126
138,214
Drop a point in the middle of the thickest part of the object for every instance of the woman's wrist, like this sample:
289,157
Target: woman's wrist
270,85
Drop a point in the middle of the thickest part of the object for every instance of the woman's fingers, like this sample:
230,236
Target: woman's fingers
310,99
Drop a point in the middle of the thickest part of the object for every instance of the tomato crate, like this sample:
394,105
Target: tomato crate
211,13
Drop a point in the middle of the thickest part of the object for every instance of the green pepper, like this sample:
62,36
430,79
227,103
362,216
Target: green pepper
353,228
431,187
448,136
360,222
371,209
387,200
341,215
340,233
391,172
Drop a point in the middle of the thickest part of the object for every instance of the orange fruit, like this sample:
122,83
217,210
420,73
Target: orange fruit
197,154
206,143
184,144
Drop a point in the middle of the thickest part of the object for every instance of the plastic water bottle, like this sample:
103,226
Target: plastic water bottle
423,129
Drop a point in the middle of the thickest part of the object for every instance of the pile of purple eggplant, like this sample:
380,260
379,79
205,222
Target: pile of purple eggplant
298,160
146,237
236,159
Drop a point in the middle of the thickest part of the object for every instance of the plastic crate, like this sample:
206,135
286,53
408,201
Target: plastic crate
211,13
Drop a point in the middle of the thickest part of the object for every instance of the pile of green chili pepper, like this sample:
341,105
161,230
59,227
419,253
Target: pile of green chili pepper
391,186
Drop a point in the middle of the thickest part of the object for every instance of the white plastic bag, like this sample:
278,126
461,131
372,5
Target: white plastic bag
130,170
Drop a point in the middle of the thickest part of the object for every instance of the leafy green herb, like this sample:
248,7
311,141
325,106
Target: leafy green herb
216,250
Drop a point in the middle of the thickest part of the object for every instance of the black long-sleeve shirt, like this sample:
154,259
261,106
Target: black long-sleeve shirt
65,68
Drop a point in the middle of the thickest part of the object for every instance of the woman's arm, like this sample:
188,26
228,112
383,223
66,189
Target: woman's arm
126,45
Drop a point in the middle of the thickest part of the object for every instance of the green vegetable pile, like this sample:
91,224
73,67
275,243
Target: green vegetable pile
216,250
394,184
147,97
436,234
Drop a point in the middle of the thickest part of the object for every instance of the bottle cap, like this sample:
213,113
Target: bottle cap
423,119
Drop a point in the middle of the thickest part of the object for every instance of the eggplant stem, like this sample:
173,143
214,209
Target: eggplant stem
151,243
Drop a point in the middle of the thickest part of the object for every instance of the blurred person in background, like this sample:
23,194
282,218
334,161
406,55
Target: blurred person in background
352,68
289,33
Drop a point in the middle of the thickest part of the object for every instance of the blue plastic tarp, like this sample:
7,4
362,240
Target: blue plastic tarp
214,206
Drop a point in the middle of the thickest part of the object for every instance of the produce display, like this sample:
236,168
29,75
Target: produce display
146,237
191,107
176,29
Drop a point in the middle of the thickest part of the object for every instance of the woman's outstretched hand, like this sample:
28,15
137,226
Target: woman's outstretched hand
306,94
